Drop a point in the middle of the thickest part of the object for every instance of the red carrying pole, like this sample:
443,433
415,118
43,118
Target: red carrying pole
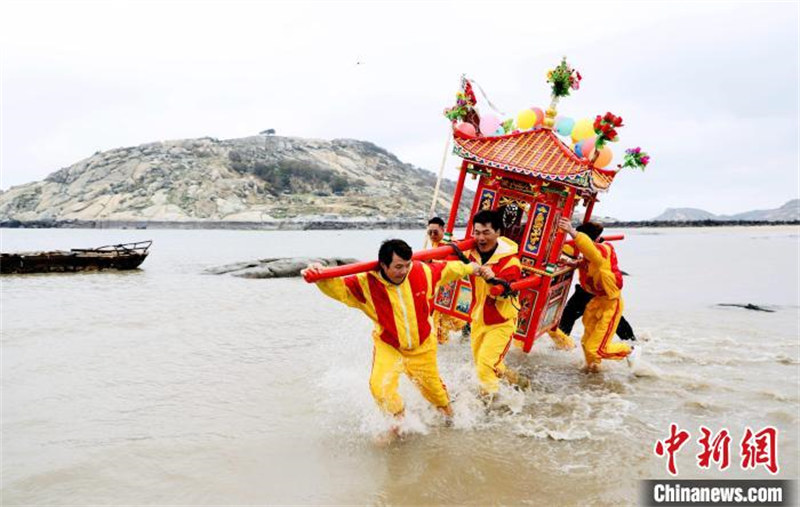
555,250
530,282
360,267
612,237
451,221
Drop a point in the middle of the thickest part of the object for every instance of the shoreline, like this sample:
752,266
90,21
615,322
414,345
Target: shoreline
290,225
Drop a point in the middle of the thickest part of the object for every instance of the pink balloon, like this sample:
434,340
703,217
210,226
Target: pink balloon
587,147
466,128
539,116
489,124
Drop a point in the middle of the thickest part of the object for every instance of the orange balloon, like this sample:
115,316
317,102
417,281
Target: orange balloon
604,158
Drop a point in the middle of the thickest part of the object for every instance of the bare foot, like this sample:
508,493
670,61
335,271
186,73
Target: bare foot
447,413
517,379
591,368
388,437
561,340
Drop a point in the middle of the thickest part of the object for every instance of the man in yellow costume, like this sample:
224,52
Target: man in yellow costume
602,314
443,324
397,298
576,304
494,318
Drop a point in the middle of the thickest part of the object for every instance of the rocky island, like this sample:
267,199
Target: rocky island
264,182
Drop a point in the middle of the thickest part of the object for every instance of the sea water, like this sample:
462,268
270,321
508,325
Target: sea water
169,386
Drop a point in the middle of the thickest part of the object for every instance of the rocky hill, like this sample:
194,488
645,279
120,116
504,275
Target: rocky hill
259,179
787,213
684,214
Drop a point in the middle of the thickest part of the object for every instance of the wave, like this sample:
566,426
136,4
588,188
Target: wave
699,357
784,359
702,406
692,382
777,396
789,418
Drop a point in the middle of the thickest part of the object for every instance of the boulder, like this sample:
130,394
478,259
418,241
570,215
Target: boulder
275,268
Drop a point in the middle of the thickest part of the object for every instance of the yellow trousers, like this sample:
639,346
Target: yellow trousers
418,364
600,320
561,339
489,347
443,324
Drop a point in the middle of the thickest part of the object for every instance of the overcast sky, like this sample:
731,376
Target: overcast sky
709,89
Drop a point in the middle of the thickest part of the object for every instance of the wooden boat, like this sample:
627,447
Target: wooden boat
123,256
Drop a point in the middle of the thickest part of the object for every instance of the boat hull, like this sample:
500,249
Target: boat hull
60,262
120,257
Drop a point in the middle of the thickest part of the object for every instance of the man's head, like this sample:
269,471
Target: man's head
436,229
487,226
591,229
394,258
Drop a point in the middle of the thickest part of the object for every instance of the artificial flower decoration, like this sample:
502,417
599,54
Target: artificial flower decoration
563,78
465,101
635,158
606,129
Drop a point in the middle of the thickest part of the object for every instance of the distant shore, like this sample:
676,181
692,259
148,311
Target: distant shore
298,225
696,223
272,225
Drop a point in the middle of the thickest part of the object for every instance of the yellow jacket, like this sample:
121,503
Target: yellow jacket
487,309
401,313
596,273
